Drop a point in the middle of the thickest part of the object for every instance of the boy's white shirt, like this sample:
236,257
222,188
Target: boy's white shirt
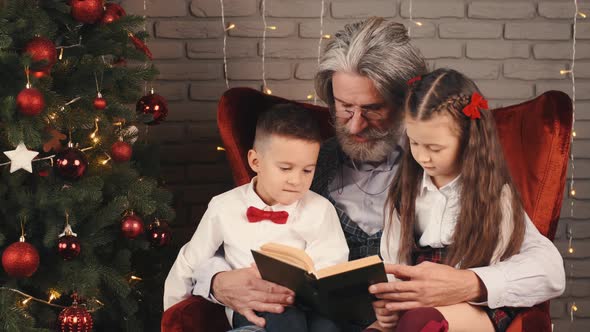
437,211
313,225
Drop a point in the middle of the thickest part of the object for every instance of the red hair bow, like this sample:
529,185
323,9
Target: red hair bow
477,102
414,80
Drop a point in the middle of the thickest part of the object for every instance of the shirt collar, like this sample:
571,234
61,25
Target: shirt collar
252,199
450,187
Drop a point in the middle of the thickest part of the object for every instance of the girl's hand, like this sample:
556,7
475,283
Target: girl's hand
386,319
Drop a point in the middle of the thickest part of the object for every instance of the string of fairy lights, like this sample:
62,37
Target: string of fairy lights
573,307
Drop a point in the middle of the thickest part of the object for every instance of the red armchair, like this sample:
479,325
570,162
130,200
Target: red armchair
535,136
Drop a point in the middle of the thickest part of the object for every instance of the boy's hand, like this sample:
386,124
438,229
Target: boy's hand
245,292
386,319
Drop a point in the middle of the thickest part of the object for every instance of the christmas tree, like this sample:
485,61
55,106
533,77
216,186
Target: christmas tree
83,222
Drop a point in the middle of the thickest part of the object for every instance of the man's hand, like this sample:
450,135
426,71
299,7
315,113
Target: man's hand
428,285
245,292
386,319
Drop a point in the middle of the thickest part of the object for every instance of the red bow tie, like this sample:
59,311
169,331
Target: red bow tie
256,215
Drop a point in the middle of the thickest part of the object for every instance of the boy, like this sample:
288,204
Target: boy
276,206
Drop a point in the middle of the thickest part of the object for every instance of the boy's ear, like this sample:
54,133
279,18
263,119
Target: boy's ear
254,160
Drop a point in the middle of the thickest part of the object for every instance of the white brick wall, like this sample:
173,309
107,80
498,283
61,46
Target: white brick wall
514,49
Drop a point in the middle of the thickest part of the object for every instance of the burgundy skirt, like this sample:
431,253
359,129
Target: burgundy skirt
500,317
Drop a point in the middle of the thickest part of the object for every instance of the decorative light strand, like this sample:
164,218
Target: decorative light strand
265,88
315,97
225,29
52,295
572,191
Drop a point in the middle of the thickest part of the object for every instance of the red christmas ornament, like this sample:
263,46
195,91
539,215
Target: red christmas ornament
42,49
158,233
71,163
20,259
87,11
68,245
140,45
75,319
30,101
112,13
131,226
154,105
41,73
121,151
100,103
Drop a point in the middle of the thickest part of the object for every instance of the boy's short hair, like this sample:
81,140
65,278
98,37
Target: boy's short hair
289,120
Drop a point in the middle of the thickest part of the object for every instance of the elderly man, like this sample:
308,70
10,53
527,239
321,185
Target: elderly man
362,77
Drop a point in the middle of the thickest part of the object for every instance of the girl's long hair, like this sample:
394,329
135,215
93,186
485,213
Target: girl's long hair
484,174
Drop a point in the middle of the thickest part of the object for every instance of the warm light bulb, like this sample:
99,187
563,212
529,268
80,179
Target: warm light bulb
419,24
574,307
309,97
230,26
61,53
135,278
573,192
53,294
564,71
570,250
268,91
272,27
96,139
220,148
327,36
582,14
25,301
573,133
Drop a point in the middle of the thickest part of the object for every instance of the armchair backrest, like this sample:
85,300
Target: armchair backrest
535,136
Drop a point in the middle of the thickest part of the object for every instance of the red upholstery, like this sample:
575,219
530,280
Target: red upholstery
535,136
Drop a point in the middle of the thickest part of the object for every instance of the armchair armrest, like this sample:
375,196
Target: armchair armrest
195,314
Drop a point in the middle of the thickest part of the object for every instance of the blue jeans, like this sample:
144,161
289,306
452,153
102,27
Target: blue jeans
291,320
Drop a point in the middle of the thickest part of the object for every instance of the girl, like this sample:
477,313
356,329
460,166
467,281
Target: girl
453,200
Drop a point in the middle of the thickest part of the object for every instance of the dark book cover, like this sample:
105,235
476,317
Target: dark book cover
342,296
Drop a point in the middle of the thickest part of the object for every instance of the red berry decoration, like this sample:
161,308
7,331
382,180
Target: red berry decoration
121,151
42,49
68,245
71,163
131,226
87,11
20,259
100,103
112,13
153,107
75,318
158,233
30,102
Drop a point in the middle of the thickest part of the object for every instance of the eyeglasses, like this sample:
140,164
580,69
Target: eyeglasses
347,113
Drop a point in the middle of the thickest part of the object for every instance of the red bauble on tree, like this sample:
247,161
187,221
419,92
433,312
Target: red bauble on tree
112,13
20,259
158,233
42,49
87,11
30,101
153,108
121,151
131,226
99,102
75,318
68,245
71,163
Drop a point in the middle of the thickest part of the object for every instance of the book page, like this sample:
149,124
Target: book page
347,266
289,255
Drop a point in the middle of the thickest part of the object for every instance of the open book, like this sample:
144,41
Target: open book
339,292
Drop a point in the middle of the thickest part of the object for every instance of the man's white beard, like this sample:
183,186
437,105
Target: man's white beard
379,146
